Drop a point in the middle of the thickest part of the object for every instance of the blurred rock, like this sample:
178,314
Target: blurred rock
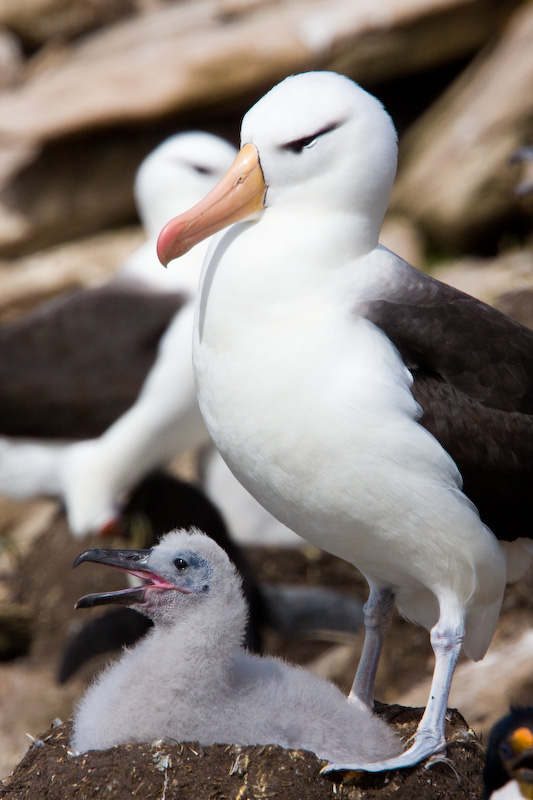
505,281
195,61
71,188
518,304
455,176
335,664
402,237
484,691
15,630
192,53
27,282
524,157
23,684
11,60
21,523
36,21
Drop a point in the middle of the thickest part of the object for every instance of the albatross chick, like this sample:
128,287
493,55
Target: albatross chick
190,679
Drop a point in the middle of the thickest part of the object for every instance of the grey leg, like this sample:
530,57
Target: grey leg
446,640
377,616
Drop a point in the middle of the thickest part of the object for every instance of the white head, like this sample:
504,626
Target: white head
316,141
321,136
185,570
177,174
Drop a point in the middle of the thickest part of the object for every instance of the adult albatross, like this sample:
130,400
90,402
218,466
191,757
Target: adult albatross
60,378
372,409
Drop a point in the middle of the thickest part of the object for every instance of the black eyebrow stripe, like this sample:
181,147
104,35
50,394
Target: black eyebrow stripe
298,144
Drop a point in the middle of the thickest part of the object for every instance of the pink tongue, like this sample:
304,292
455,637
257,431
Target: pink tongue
156,581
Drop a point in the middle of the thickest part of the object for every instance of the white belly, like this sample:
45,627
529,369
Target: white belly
311,408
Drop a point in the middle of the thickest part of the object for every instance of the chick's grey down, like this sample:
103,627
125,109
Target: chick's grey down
190,678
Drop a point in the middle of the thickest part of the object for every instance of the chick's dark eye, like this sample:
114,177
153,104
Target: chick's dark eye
180,564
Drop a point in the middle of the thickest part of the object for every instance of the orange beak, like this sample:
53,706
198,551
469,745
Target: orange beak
238,195
521,740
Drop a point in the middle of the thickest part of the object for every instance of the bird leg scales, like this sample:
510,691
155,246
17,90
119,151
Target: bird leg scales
446,641
377,616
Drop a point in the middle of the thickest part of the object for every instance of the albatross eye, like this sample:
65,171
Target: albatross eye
306,142
299,144
180,564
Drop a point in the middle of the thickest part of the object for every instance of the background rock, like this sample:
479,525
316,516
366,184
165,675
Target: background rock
11,60
77,124
89,261
38,21
455,179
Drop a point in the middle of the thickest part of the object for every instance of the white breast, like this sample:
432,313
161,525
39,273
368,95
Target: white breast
311,408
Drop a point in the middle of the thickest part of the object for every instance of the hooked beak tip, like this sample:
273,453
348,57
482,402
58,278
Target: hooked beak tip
170,245
81,558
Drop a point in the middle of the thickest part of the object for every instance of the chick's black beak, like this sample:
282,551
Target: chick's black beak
127,560
131,561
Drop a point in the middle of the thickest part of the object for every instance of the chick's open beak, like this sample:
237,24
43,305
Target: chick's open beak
134,563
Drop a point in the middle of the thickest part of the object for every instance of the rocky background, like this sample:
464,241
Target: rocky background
87,89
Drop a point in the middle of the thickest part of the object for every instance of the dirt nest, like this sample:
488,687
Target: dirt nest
163,771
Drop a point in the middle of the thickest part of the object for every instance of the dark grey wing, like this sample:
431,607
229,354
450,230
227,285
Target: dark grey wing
474,347
473,378
71,368
492,448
